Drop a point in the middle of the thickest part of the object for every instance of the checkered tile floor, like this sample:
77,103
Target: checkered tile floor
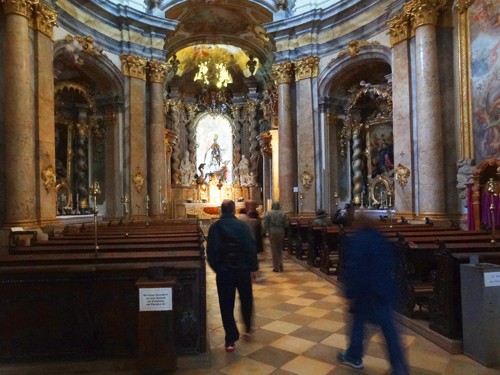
300,325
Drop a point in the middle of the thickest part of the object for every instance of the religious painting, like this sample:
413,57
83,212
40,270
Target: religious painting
381,146
484,20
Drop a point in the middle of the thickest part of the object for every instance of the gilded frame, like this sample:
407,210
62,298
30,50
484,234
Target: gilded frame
477,81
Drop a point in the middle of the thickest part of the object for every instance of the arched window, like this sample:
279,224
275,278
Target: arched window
214,139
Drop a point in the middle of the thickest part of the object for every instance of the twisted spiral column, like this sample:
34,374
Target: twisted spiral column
179,116
251,111
236,113
191,132
82,167
357,165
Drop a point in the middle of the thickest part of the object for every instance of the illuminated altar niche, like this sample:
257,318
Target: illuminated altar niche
215,129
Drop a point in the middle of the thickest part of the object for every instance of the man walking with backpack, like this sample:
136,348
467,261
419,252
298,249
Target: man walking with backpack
231,253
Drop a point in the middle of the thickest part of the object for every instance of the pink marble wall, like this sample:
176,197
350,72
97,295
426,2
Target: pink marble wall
137,128
45,125
402,124
305,144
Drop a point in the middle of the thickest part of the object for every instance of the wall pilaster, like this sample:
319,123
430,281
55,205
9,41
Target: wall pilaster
306,70
400,32
283,76
134,68
45,20
156,132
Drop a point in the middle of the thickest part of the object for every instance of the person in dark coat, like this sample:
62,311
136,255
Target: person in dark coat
371,288
231,253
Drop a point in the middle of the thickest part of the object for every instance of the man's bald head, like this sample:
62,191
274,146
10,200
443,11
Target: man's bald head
227,206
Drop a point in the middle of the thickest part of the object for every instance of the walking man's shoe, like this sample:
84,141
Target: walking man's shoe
230,347
342,357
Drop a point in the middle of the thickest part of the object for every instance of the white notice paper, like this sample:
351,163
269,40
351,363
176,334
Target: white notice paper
155,299
492,279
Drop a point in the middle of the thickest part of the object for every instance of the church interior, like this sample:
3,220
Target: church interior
125,123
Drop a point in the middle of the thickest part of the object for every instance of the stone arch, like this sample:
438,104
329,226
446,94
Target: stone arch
88,95
339,65
340,84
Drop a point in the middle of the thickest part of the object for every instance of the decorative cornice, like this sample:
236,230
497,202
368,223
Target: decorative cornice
399,28
157,71
134,66
45,20
306,67
266,147
354,46
282,72
21,7
423,12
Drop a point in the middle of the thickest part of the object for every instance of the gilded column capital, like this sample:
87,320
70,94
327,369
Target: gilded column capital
306,67
266,147
399,28
282,72
45,19
171,138
461,6
157,71
134,66
423,12
21,7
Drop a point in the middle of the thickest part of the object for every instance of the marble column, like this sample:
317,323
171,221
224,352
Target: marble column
170,140
134,68
275,165
45,20
266,151
156,150
324,160
306,71
431,189
283,76
399,30
20,170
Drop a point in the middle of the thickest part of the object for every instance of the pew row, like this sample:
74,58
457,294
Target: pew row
65,299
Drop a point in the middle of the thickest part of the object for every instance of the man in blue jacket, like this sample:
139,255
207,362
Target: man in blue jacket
231,253
371,288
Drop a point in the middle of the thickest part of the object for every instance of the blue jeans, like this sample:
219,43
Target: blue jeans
381,315
228,281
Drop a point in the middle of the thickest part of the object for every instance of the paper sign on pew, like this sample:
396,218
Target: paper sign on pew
155,299
491,279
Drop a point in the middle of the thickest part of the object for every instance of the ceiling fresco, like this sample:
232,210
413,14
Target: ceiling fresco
221,22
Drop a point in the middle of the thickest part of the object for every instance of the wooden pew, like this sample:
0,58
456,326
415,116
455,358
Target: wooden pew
292,233
393,234
445,306
302,241
329,251
418,266
61,298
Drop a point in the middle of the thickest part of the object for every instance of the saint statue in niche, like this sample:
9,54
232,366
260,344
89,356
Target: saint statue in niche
213,155
187,170
244,171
